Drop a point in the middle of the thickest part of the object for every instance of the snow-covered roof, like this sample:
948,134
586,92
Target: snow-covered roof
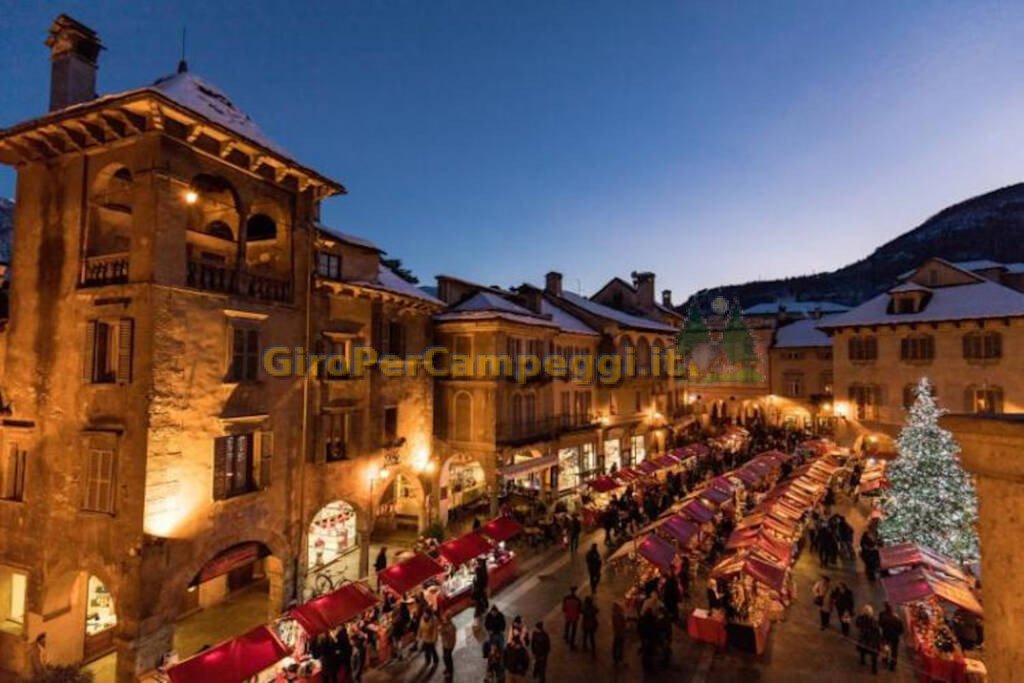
982,299
389,281
801,333
486,305
909,286
354,240
616,316
566,321
971,266
488,301
794,306
451,316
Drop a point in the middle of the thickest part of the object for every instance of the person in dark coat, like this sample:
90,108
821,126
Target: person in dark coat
589,619
842,600
670,598
495,625
575,529
647,630
892,631
540,645
517,661
594,567
869,637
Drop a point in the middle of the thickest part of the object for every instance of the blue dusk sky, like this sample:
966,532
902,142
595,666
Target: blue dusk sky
710,142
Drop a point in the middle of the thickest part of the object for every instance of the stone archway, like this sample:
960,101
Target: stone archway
463,481
399,501
332,544
81,614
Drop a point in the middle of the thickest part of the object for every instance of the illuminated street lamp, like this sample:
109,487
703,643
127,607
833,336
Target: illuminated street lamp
191,197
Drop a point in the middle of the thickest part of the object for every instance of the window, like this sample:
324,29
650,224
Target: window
390,425
463,414
984,400
643,357
13,589
245,354
463,345
826,382
12,473
392,338
241,463
260,227
865,399
863,348
517,410
983,345
530,409
906,304
342,435
583,402
793,384
337,365
108,351
328,265
100,475
566,406
792,355
917,348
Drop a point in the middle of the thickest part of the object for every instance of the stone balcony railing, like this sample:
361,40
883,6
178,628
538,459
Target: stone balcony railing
108,269
214,277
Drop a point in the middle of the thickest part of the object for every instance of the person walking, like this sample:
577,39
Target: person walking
823,599
572,607
448,634
869,637
575,529
618,632
892,631
494,624
589,617
428,639
540,645
517,661
594,567
842,599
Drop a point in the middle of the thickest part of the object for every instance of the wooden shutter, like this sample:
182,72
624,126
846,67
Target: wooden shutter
252,354
220,468
125,344
266,458
354,433
89,352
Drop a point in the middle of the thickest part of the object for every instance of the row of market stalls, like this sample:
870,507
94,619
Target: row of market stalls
933,593
281,651
759,552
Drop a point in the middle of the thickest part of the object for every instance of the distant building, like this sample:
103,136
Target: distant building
801,384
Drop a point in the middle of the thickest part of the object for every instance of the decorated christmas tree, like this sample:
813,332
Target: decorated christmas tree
931,499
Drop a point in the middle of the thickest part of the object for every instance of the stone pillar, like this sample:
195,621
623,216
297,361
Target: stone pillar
365,531
139,656
993,451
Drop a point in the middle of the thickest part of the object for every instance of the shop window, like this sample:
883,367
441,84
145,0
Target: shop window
986,400
638,448
12,473
260,227
241,464
328,265
863,348
917,348
100,615
983,345
108,351
100,480
390,425
13,590
245,354
342,432
332,534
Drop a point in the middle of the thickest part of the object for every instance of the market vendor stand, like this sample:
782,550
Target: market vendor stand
419,573
600,492
248,657
460,556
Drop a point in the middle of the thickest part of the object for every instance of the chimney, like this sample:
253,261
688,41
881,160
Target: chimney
666,298
553,283
644,283
74,48
531,298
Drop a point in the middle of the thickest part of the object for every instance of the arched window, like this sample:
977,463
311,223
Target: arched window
220,230
463,414
659,364
983,345
643,357
627,352
260,227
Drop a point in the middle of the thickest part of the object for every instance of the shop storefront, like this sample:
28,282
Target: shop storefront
588,461
526,474
466,483
332,534
100,619
638,449
568,469
612,455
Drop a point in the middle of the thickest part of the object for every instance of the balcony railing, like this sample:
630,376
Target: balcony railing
215,277
540,429
109,269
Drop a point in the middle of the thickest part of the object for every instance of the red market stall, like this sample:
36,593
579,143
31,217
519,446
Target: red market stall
501,529
335,608
658,552
410,574
603,484
705,627
237,660
647,468
910,555
715,496
460,555
918,585
680,531
698,512
599,495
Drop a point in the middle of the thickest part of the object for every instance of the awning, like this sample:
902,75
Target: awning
698,512
647,467
627,475
461,550
715,495
761,571
723,483
680,529
603,484
405,576
501,529
335,608
234,661
914,555
521,469
657,551
917,584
